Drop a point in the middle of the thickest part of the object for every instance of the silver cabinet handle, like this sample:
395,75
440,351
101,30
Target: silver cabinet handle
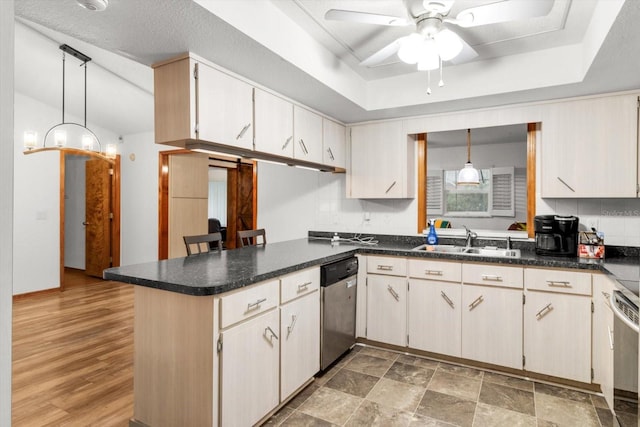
567,185
303,286
475,303
256,304
273,334
385,267
558,284
545,310
390,187
294,317
286,143
446,298
242,132
330,153
304,147
393,293
492,278
433,272
610,337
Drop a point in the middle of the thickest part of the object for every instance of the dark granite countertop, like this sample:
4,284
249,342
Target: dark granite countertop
216,273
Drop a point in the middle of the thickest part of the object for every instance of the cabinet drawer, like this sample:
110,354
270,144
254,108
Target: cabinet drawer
435,270
248,302
393,266
567,282
492,275
299,283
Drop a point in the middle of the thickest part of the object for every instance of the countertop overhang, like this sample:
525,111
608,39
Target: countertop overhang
215,273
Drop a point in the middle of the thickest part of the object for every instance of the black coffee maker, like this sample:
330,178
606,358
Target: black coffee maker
556,235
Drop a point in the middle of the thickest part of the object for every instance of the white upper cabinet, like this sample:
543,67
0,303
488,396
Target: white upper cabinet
274,124
590,148
225,108
334,144
307,135
382,165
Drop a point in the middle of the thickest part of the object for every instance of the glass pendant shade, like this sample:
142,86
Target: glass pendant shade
468,175
448,44
429,59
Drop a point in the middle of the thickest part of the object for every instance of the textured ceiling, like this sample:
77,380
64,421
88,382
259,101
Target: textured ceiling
130,35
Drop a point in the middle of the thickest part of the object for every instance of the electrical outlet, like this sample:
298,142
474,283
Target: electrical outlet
367,216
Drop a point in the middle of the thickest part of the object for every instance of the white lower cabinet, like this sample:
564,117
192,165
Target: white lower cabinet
557,325
492,325
387,309
300,342
250,373
603,336
434,316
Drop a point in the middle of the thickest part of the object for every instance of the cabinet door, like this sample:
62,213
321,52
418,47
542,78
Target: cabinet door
434,316
492,325
224,108
274,124
387,309
602,346
590,148
307,130
300,351
249,373
380,162
334,144
557,335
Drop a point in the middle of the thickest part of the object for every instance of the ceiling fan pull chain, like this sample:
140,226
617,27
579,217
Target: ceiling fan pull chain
428,82
441,82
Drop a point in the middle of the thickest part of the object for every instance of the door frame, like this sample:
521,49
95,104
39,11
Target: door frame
163,196
115,208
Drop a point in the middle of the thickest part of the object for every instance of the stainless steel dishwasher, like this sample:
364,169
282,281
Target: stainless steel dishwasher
338,287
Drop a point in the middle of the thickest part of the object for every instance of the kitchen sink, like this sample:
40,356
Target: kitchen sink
488,251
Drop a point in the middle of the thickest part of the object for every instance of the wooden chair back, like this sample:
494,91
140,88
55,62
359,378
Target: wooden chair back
250,237
203,243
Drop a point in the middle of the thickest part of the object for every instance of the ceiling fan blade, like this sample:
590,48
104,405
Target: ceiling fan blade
466,54
366,18
383,53
509,10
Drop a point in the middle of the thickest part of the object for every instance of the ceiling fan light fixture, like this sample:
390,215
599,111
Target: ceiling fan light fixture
411,48
429,59
448,44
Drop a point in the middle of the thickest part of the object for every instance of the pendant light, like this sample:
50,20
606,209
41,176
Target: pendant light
468,175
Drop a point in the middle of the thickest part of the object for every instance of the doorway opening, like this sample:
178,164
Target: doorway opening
89,217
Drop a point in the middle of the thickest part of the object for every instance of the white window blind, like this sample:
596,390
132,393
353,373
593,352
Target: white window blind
502,192
434,192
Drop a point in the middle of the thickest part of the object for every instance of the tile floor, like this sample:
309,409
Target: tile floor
374,387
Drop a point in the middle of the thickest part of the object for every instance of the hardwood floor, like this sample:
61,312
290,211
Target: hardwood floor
73,356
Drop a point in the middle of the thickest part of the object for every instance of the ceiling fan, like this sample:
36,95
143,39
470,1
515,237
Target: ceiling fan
433,41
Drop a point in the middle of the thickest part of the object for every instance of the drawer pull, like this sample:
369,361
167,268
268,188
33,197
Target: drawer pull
447,299
303,146
390,187
566,185
545,310
393,293
492,277
303,286
294,317
558,284
330,153
385,267
270,331
433,272
243,131
256,304
476,303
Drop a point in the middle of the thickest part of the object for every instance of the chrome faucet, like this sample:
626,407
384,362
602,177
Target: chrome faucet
470,236
508,242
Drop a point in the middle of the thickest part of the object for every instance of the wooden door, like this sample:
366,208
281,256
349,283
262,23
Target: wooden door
387,309
241,202
97,217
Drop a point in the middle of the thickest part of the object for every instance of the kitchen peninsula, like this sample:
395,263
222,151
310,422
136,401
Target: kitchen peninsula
195,362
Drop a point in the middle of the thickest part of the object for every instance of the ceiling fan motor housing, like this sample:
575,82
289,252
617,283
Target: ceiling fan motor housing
94,5
430,25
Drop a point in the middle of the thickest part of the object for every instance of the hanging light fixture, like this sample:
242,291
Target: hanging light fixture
468,175
68,136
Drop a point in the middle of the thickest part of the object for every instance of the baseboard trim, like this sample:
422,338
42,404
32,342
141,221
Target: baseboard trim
19,297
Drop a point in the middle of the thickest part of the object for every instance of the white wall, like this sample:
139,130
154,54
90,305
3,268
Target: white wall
37,199
6,207
139,198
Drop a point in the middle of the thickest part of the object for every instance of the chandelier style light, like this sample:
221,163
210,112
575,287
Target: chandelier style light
468,175
70,136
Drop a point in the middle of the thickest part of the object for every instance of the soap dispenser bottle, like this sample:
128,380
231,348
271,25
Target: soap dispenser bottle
432,237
